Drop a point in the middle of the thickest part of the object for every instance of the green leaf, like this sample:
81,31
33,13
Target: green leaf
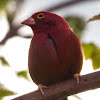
88,50
4,62
94,18
77,24
5,92
77,97
91,51
23,74
96,59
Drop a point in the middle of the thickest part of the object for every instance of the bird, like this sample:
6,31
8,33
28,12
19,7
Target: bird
55,52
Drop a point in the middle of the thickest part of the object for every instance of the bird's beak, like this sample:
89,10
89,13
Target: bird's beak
29,21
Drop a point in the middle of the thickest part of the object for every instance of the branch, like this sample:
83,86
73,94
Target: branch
65,4
13,29
12,32
65,88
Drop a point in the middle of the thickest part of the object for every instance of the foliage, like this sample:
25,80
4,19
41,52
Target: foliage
77,24
96,58
97,17
3,61
88,50
5,92
91,51
23,74
3,4
77,97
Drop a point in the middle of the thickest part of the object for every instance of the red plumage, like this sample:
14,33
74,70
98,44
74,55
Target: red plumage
55,52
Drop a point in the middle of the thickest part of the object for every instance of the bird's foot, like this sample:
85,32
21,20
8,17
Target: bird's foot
40,87
76,76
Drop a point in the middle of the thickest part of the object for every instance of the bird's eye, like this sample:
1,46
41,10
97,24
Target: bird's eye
41,15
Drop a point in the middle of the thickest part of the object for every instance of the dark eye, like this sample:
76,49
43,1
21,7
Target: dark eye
40,15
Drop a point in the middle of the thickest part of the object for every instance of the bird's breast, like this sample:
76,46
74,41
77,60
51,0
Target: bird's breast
54,58
43,61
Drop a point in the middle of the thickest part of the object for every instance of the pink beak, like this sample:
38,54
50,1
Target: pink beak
29,21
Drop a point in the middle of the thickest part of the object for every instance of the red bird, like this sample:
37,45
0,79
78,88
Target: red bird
55,52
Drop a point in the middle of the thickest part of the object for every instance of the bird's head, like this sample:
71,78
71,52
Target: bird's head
44,20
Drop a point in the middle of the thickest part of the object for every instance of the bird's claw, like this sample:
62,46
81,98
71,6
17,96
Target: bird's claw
76,76
40,87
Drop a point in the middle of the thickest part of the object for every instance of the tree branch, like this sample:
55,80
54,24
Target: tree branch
12,32
65,88
65,4
13,29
